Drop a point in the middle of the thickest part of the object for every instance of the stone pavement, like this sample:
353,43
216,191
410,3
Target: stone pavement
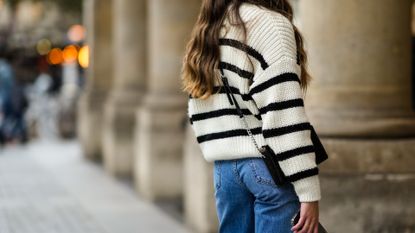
48,187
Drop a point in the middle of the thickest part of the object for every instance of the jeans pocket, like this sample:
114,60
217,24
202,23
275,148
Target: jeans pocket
260,172
260,183
217,167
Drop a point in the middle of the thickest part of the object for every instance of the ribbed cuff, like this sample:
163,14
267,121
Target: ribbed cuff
308,189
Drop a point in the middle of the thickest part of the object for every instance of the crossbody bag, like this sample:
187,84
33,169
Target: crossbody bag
269,156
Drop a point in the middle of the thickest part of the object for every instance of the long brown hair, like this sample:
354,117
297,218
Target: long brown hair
203,53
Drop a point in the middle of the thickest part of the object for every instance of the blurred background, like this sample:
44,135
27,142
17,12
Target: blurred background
94,135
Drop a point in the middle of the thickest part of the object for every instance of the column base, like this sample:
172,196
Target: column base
90,121
158,172
358,156
368,185
199,198
118,134
368,203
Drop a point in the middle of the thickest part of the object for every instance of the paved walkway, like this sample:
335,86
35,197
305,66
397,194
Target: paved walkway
49,188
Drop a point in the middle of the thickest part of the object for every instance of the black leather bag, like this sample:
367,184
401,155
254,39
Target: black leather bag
321,153
269,156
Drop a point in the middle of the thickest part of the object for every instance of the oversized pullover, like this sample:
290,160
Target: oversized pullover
270,95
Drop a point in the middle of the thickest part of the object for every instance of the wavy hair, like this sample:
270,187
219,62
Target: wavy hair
202,51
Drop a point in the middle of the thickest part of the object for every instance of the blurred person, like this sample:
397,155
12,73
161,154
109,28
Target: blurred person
255,45
41,114
55,72
14,124
44,94
13,106
6,82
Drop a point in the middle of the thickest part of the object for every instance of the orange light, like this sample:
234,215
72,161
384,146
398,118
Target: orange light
70,53
83,57
55,56
76,33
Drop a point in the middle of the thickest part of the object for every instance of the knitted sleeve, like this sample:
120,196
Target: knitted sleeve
277,93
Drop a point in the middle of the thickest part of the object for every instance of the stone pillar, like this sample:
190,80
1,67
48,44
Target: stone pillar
360,56
360,103
97,19
129,82
199,198
159,153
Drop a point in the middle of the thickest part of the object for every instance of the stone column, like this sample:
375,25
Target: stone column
97,19
360,103
129,82
360,56
159,153
199,198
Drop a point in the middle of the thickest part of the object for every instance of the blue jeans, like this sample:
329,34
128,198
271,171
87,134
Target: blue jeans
248,201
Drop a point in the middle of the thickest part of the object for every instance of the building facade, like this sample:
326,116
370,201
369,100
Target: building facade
132,115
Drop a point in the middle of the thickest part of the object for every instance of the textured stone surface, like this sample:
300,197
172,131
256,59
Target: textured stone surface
360,58
371,203
158,162
360,104
118,138
130,75
368,186
199,197
49,188
32,200
359,156
159,147
89,127
98,21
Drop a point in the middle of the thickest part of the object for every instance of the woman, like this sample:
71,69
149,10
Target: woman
260,52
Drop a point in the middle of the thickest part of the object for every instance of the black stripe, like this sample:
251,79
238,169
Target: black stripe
227,134
295,152
235,69
218,113
303,174
268,133
286,77
221,90
282,105
251,51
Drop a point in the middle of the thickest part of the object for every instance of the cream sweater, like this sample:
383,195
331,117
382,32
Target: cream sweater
269,94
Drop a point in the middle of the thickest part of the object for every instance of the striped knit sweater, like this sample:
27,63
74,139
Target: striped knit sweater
270,96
